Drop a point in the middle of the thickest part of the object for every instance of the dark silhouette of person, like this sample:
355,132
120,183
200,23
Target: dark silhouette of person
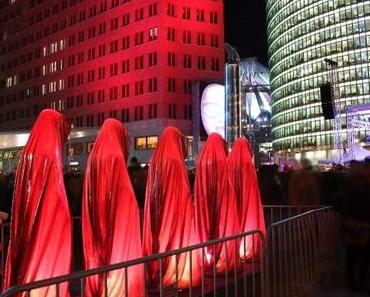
357,225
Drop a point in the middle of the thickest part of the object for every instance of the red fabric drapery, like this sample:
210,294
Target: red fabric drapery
168,212
41,226
250,212
215,208
110,215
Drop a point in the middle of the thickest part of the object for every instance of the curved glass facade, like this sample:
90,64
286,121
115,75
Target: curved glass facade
301,34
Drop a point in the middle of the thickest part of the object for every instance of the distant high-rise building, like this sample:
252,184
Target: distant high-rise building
133,60
301,35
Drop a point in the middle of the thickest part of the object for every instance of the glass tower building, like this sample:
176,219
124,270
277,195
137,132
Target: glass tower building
301,34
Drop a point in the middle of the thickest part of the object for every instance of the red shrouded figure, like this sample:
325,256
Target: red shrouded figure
250,212
41,227
168,212
215,206
110,215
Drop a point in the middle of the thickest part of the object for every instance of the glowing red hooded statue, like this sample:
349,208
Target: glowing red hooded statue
215,208
168,212
110,215
41,226
250,212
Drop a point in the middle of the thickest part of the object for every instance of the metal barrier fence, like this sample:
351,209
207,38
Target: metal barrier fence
273,213
301,251
246,278
298,251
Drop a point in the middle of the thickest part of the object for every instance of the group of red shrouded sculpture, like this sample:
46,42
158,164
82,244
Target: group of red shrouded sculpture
226,202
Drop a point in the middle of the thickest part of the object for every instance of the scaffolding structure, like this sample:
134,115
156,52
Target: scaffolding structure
358,119
337,123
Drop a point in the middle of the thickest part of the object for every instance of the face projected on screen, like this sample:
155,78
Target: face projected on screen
213,109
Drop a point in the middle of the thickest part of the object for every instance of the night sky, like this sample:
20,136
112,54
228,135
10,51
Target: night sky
245,27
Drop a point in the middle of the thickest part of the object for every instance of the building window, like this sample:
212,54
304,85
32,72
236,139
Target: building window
101,73
113,69
201,63
213,17
126,42
188,112
152,112
153,59
113,114
214,40
153,34
187,61
79,100
125,66
140,143
114,24
146,142
139,38
113,93
186,37
187,86
186,13
200,15
171,9
172,111
152,9
125,90
171,84
171,35
125,115
139,87
101,118
90,98
102,28
139,14
70,101
126,19
80,78
114,46
215,64
201,39
153,84
91,75
139,113
101,95
171,59
101,50
90,120
139,62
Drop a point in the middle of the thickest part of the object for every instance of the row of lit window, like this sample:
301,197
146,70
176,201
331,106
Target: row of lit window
300,121
346,30
312,95
282,88
285,8
316,140
320,23
352,87
298,142
316,17
345,60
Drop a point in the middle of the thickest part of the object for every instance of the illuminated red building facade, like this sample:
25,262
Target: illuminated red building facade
134,60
